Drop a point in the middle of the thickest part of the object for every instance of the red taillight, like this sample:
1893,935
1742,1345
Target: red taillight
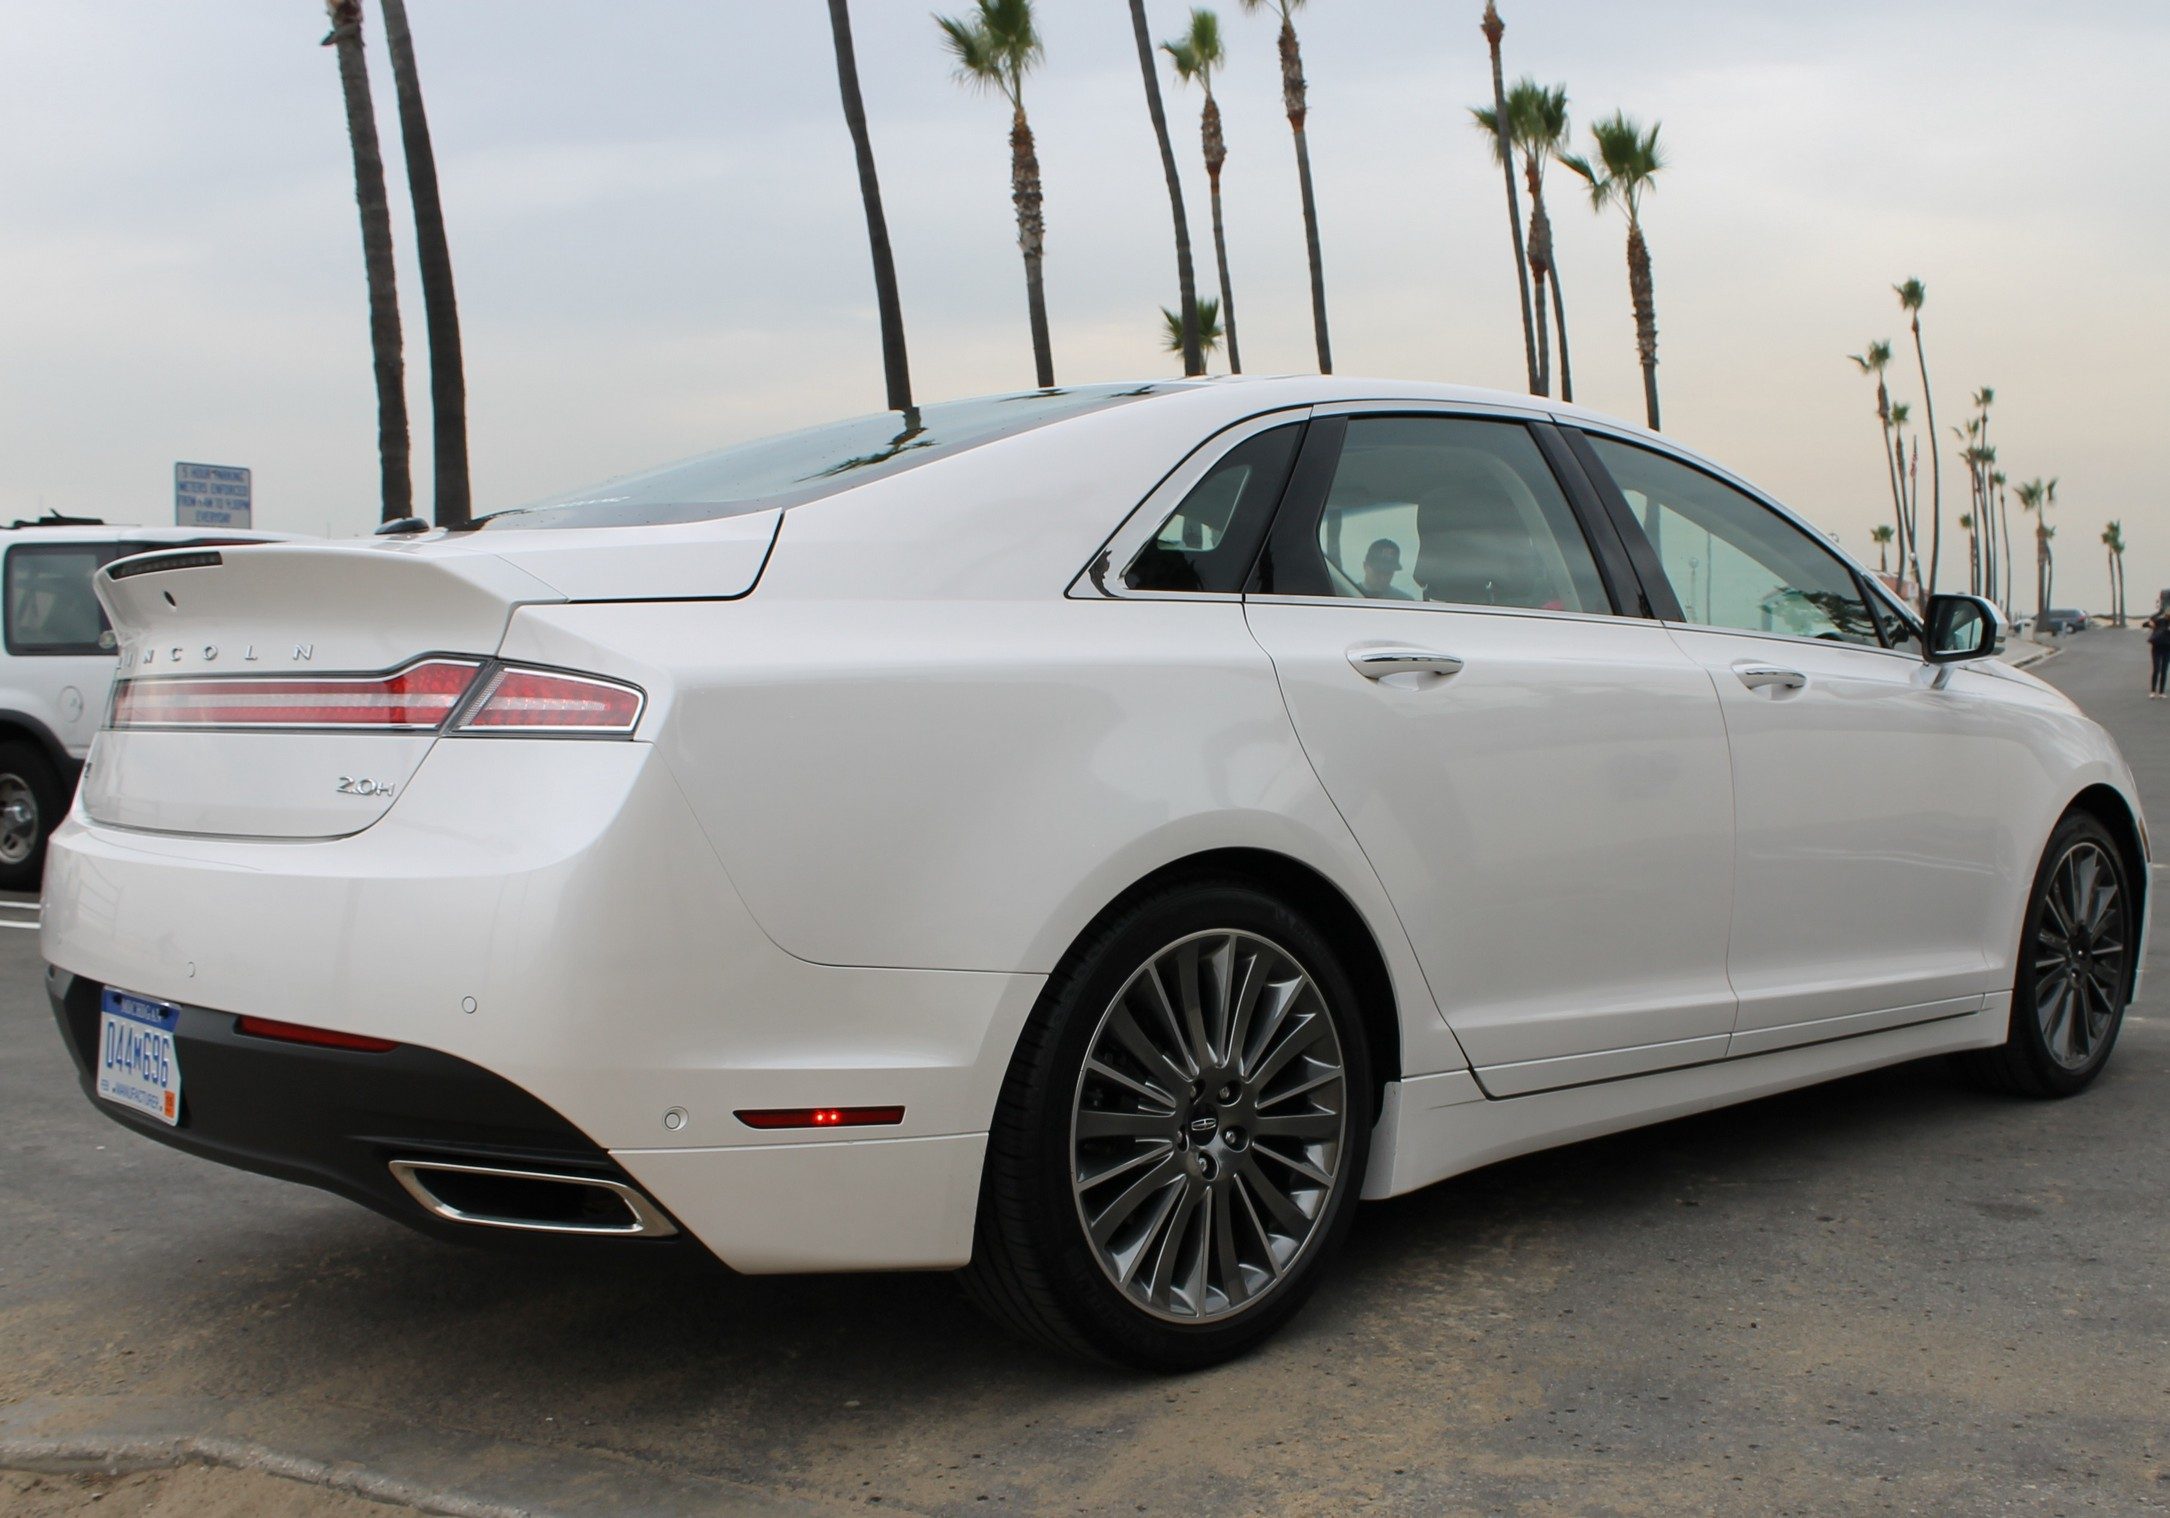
418,697
532,700
821,1117
323,1038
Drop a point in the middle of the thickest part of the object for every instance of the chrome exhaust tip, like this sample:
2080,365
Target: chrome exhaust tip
532,1201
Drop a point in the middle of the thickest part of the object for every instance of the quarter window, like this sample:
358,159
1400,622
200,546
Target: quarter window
51,608
1208,541
1732,561
1459,510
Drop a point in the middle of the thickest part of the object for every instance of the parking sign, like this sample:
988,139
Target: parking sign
210,495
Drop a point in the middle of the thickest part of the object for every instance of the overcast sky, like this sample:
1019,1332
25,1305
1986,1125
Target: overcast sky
657,235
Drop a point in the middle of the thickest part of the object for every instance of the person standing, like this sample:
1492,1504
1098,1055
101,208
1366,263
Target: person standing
2158,647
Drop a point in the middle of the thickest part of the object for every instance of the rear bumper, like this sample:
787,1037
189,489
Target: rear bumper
547,919
334,1118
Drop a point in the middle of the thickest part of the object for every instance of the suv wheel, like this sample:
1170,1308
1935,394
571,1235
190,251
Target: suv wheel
30,803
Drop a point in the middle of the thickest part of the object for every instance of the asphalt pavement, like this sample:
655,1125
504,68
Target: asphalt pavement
1891,1294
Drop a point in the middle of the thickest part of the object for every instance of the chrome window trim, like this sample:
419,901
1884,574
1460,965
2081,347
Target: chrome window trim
1122,545
1467,609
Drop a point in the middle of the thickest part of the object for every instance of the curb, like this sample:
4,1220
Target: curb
447,1472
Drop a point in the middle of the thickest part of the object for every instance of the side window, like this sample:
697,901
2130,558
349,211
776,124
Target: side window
1448,509
1732,561
50,607
1208,541
1899,631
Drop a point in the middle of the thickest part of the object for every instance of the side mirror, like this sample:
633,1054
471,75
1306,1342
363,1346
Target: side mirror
1961,628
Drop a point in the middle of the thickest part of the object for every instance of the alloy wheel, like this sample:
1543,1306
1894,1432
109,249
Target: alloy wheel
18,819
1209,1126
2080,955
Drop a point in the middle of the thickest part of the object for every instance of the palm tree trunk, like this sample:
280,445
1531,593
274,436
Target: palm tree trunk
1032,241
1891,473
1292,99
1540,268
1936,464
394,469
1646,317
2004,519
1194,361
1559,326
1494,29
1216,151
896,367
2041,576
440,308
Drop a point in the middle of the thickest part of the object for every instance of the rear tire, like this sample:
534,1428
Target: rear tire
1163,1189
31,802
2074,969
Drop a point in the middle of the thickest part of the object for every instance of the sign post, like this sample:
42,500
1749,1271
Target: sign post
210,495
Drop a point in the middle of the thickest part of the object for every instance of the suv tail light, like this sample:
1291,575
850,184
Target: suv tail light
436,694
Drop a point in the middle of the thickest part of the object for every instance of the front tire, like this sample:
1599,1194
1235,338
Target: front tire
1180,1142
2075,968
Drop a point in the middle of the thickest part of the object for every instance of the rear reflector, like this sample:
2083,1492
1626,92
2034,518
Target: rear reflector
323,1038
416,698
822,1117
527,700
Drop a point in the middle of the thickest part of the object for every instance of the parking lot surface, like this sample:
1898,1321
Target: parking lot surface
1888,1294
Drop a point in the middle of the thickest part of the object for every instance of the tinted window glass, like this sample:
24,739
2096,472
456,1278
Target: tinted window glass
1207,542
50,606
1451,509
804,466
1734,562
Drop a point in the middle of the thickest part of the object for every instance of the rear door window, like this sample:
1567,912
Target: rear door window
50,607
1448,509
1208,541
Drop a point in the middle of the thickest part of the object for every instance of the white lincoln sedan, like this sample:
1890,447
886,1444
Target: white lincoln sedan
1089,838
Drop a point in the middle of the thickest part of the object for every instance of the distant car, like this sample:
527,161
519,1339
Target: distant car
1090,837
58,667
2064,620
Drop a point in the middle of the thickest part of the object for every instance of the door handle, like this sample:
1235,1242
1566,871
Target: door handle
1757,676
1375,661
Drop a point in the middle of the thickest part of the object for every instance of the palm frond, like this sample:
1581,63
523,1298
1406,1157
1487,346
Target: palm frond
1911,294
1209,325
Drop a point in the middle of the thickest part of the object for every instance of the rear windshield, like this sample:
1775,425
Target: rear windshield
804,466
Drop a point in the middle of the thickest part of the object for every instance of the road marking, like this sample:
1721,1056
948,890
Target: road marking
27,927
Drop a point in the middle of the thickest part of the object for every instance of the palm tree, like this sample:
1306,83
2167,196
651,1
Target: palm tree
1537,124
1909,491
440,308
1209,325
1502,127
1881,535
1872,362
996,45
2034,497
1974,553
1911,295
1984,398
1197,54
1628,163
2004,536
2113,538
896,367
2049,576
394,470
1293,101
1186,284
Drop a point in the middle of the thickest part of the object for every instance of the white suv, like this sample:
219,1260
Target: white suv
58,667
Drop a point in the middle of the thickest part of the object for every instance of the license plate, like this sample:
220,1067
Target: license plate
138,1066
